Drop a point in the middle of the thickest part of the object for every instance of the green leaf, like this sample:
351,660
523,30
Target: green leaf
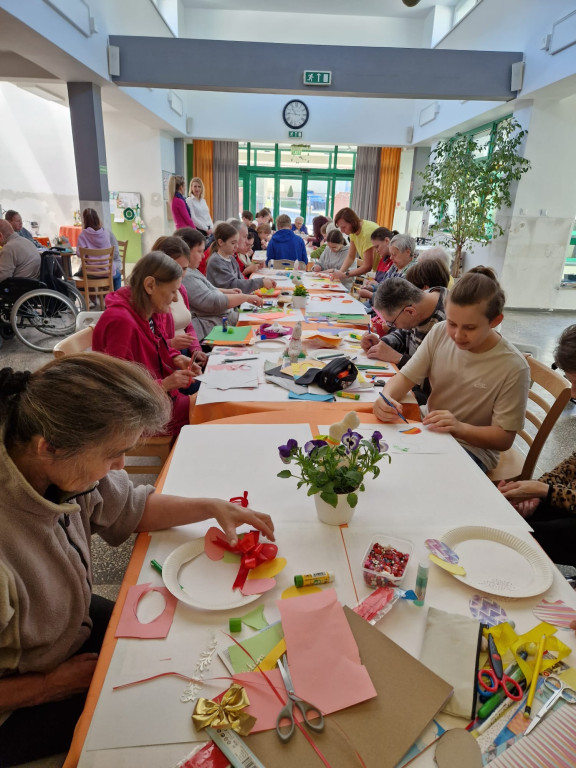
352,499
285,473
329,498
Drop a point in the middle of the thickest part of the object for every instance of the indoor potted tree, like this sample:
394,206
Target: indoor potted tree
462,190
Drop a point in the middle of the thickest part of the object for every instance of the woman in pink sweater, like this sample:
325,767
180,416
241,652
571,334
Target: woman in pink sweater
180,209
133,327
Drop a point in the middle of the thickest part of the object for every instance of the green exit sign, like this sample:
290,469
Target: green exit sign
311,77
294,134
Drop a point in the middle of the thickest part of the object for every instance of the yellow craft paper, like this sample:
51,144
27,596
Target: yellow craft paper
569,677
454,568
268,569
269,662
508,641
300,368
299,591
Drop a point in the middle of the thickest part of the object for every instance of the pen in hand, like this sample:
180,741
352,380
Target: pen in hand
393,407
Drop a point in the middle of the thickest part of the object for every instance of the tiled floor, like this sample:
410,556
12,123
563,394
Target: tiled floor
539,329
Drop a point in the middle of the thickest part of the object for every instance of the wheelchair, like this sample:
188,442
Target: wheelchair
39,313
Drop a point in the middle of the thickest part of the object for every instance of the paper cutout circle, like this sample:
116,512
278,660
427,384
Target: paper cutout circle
299,591
442,550
267,570
557,613
212,550
257,586
129,214
487,611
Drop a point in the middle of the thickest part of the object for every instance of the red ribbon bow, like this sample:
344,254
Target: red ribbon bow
253,551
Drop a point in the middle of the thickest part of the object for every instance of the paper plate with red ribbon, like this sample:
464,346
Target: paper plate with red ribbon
210,575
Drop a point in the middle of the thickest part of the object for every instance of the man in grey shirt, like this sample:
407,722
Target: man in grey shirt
18,257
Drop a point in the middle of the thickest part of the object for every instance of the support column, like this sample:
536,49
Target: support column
89,148
180,158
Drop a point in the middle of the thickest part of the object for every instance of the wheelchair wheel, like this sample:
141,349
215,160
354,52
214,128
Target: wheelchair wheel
75,296
42,317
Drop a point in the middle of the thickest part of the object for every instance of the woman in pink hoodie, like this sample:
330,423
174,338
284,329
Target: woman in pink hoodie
95,236
133,327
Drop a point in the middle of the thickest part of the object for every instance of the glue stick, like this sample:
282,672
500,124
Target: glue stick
224,324
348,395
312,579
421,581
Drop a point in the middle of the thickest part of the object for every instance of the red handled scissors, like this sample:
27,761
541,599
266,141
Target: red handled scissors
492,679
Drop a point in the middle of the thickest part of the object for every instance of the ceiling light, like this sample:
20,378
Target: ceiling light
410,3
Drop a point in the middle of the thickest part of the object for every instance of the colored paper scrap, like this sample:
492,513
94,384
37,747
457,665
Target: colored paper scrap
442,550
258,646
454,568
240,335
255,618
268,569
487,611
410,431
557,613
257,586
129,624
299,591
323,658
271,660
309,396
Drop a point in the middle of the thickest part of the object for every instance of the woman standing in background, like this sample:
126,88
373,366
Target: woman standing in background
178,204
198,207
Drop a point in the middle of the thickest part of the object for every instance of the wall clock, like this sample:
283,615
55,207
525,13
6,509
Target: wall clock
295,114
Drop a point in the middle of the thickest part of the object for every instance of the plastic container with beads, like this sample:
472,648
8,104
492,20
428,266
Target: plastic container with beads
386,560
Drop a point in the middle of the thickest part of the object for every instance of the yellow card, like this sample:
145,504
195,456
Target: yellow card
271,659
454,568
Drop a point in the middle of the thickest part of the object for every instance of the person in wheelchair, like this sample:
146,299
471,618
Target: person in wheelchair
18,257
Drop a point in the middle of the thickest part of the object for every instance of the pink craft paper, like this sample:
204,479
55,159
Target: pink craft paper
271,315
130,626
323,658
257,586
210,548
557,613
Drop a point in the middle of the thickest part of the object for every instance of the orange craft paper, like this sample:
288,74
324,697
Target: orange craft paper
323,659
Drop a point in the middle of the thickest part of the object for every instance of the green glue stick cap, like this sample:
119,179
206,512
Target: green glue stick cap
298,581
235,625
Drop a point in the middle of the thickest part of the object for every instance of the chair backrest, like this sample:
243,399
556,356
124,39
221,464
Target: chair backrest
123,248
556,386
81,341
86,319
283,264
97,262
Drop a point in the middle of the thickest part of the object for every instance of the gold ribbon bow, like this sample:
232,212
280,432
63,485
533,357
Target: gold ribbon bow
226,713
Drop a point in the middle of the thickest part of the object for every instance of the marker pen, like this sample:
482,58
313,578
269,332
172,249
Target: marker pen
311,579
421,581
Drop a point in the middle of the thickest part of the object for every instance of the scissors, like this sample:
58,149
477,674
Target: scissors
491,679
561,691
287,711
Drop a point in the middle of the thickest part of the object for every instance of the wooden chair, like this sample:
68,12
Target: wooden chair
514,464
123,247
283,264
154,449
97,270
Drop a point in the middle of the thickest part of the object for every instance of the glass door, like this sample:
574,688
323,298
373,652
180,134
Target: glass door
342,195
262,191
316,199
290,196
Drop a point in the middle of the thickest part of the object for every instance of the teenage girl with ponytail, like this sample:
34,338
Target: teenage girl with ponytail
479,381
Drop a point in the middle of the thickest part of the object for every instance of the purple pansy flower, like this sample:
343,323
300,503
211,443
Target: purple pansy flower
376,439
311,445
287,450
351,440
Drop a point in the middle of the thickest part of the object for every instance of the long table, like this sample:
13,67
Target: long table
418,495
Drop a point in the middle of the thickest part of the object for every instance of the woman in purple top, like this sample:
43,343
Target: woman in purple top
95,236
180,209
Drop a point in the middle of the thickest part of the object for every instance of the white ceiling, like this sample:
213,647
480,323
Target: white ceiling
332,7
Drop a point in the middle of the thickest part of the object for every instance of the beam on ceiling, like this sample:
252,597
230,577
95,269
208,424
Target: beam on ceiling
407,73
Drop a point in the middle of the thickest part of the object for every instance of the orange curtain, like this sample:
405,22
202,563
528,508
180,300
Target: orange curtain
203,168
389,174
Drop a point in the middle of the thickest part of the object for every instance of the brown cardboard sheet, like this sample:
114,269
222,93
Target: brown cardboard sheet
381,730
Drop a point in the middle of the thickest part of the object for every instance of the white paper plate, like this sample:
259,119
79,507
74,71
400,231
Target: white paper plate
499,563
200,582
345,336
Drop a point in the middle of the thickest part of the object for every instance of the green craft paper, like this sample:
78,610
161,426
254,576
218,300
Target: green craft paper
238,333
231,557
258,646
255,618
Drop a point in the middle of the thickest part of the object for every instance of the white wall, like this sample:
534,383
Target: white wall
319,29
258,117
135,155
38,176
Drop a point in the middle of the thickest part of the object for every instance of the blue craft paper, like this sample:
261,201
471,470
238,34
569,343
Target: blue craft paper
308,396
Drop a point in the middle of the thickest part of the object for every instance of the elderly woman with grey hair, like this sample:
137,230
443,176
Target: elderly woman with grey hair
438,253
402,255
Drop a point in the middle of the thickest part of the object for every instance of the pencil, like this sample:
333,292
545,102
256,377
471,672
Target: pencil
534,683
393,406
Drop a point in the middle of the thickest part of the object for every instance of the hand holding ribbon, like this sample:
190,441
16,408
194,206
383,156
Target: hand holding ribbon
226,713
253,552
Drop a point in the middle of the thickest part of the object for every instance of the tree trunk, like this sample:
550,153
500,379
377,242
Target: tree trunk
457,263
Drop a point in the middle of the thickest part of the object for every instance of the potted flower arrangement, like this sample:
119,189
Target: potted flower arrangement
299,297
334,466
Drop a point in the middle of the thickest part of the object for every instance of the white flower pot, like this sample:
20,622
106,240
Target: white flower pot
339,515
299,302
